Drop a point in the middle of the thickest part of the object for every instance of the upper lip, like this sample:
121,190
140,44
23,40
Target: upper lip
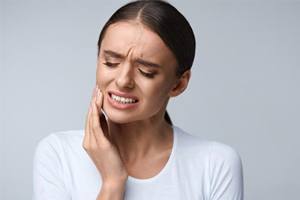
122,94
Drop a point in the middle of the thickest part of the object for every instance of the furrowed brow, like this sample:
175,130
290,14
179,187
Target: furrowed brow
138,60
147,63
113,54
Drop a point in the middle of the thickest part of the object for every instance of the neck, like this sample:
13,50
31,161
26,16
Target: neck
140,139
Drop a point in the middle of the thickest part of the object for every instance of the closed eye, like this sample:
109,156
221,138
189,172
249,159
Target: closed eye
109,64
148,75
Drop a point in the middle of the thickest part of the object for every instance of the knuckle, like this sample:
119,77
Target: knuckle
85,146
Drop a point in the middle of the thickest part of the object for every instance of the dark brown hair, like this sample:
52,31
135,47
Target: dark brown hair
166,21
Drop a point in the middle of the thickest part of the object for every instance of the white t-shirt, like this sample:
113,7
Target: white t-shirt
196,170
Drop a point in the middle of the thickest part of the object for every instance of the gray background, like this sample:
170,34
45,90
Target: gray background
244,89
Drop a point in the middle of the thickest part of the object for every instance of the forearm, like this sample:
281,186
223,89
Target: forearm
112,192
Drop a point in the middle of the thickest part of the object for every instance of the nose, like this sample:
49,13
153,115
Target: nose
125,79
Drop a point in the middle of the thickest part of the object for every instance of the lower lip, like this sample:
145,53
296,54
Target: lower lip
118,105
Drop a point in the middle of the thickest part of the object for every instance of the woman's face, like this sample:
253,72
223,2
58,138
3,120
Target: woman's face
135,72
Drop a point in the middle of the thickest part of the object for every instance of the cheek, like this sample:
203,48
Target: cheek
155,93
102,77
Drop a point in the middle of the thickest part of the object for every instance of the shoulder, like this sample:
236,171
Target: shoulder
214,151
223,153
189,141
52,163
61,136
189,144
225,172
59,141
220,163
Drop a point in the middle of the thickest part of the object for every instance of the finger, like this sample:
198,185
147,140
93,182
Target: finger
104,126
99,99
87,136
91,138
87,130
93,126
87,127
103,122
97,129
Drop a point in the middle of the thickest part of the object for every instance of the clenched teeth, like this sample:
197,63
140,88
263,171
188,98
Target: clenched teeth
122,99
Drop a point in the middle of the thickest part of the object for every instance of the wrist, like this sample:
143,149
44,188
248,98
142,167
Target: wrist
119,181
113,185
112,191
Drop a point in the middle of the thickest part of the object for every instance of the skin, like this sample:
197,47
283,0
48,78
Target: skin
135,141
103,153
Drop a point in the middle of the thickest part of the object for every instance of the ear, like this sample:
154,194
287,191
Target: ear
181,84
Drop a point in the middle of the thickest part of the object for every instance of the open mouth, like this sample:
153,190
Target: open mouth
122,100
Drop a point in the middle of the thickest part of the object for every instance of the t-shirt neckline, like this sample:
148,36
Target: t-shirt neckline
165,168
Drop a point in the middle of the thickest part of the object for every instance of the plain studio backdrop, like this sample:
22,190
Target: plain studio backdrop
244,89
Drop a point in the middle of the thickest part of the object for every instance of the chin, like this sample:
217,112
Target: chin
120,118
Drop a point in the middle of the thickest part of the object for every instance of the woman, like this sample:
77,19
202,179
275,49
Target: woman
129,148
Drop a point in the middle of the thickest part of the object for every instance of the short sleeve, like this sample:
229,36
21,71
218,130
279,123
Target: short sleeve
226,173
48,182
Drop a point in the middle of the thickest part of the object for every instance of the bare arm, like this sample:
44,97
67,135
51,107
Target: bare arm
112,192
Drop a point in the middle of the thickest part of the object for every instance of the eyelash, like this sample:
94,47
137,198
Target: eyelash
109,64
148,75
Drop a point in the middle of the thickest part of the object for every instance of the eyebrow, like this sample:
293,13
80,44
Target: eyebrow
138,60
113,54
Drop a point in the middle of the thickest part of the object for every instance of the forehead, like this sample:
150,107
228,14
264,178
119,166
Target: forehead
137,40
